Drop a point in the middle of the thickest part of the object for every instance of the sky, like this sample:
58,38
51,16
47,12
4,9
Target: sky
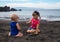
45,4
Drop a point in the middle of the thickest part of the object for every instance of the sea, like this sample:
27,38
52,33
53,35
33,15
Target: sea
27,15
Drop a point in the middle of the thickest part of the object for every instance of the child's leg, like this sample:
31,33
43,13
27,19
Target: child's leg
19,34
9,34
31,31
28,31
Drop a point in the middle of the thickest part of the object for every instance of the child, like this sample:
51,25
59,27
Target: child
14,26
34,28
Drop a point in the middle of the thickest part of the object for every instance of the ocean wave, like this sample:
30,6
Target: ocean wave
50,18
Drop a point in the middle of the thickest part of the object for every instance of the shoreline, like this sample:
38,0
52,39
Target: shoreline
28,18
24,20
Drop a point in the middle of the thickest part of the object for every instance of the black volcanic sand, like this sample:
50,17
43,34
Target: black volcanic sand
50,32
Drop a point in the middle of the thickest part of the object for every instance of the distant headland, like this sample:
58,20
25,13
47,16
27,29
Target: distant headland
7,8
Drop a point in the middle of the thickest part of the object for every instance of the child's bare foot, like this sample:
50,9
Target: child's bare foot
19,35
9,34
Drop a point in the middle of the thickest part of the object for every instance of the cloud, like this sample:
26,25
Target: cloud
12,0
36,5
24,0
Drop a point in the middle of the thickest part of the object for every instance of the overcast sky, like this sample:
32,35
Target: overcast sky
46,4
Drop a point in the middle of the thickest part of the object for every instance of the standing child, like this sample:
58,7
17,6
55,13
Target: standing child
14,26
35,21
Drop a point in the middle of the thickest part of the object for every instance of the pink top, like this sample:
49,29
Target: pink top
34,23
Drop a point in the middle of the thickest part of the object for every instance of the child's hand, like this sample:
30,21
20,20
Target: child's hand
36,32
27,22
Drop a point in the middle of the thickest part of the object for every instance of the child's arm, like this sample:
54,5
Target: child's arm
37,28
18,27
28,22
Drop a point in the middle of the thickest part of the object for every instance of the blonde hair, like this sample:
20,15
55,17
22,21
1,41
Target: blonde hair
14,17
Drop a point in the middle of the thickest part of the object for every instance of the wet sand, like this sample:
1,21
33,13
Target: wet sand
50,32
